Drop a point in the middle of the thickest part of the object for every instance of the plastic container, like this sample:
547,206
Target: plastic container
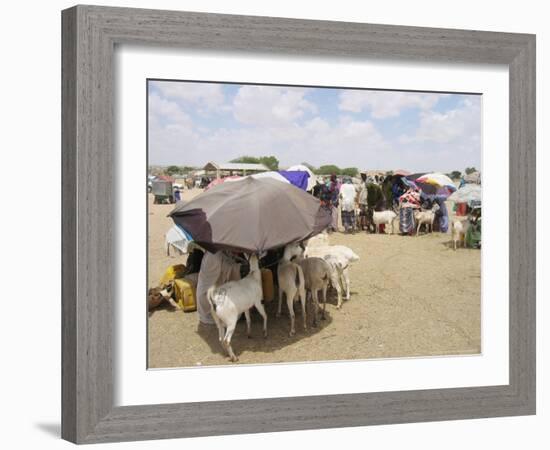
267,285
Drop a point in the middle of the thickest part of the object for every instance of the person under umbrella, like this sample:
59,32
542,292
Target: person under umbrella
408,202
216,269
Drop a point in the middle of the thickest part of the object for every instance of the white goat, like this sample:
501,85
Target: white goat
319,240
231,299
344,255
316,277
458,231
383,217
337,278
291,283
426,218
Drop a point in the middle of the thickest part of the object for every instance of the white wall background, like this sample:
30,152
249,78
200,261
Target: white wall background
31,239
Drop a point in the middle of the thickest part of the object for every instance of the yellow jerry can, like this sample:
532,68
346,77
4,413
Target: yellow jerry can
173,272
267,285
185,294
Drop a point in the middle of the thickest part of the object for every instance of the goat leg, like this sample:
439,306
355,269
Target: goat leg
247,316
315,307
227,342
290,304
280,302
303,302
261,310
325,301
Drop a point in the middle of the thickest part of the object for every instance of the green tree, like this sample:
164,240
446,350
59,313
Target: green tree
455,175
470,170
329,169
246,160
310,167
350,171
270,162
171,170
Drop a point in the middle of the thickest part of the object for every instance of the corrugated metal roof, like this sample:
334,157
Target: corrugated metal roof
236,166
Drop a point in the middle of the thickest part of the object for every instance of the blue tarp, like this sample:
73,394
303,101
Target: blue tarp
296,177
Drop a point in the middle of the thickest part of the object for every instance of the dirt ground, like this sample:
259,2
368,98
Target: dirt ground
410,296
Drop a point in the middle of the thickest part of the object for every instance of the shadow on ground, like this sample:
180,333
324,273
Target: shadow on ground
278,329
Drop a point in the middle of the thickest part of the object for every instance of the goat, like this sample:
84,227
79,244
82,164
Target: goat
316,277
231,299
337,278
319,240
383,217
345,257
459,230
291,283
426,218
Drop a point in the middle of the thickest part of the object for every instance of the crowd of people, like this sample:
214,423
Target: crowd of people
357,202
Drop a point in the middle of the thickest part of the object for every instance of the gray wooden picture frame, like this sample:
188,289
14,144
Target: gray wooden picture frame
90,34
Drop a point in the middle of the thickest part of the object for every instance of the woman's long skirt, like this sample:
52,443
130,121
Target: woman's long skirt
406,220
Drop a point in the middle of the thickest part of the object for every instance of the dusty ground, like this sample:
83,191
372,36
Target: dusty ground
411,296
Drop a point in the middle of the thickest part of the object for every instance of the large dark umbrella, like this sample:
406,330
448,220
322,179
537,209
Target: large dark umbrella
251,215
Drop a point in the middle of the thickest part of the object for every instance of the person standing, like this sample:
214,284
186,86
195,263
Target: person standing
408,203
216,269
348,194
334,189
363,201
177,194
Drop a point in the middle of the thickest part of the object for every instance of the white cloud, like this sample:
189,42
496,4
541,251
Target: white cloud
460,124
270,106
205,96
163,110
385,104
283,122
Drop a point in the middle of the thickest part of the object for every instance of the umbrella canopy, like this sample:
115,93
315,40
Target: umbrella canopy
251,215
299,178
438,180
271,174
467,193
301,168
401,173
430,190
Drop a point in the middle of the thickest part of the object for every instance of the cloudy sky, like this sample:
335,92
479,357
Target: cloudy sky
193,123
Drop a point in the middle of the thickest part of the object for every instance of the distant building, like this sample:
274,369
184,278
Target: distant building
224,169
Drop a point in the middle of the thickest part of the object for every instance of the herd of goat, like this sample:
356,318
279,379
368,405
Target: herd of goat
303,269
309,268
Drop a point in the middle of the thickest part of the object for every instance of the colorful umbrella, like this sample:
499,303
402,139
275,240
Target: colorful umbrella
251,215
438,180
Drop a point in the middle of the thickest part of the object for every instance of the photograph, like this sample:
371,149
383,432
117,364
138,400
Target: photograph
295,224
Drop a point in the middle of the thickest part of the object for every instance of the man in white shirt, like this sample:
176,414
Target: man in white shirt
348,194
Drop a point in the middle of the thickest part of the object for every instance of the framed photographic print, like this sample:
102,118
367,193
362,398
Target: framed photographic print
261,200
